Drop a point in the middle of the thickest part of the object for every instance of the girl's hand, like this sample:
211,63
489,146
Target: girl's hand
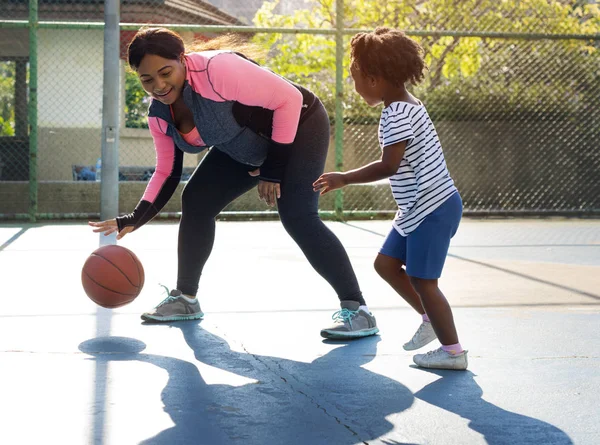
268,192
329,181
108,227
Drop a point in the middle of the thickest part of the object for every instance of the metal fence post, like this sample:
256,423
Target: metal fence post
339,97
109,186
32,110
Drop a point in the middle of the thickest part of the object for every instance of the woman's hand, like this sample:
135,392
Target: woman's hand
109,226
329,181
268,192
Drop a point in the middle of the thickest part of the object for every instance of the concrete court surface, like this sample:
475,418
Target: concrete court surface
526,299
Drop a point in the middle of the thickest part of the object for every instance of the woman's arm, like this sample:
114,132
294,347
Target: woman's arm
164,181
237,79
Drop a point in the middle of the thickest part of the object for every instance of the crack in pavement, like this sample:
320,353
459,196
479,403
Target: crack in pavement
291,385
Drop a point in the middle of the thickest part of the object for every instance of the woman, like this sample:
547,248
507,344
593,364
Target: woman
260,129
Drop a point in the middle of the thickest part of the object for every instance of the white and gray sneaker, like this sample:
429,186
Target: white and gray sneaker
174,308
440,359
351,322
424,335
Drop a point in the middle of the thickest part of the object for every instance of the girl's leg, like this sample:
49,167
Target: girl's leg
392,271
426,251
298,208
438,310
217,181
427,248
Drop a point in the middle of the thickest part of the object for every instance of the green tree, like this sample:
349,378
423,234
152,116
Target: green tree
136,102
467,75
7,98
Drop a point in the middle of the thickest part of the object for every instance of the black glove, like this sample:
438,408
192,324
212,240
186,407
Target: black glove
142,213
273,168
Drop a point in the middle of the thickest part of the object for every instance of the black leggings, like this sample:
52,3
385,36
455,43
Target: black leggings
219,180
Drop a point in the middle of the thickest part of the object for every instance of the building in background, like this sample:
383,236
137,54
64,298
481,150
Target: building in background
246,9
70,79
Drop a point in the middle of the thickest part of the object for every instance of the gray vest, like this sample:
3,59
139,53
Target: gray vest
218,128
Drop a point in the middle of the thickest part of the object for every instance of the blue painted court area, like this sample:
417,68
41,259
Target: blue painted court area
525,295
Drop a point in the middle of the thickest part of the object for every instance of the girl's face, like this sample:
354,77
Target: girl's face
367,86
162,78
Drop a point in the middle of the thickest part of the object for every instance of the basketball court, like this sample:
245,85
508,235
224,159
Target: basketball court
525,297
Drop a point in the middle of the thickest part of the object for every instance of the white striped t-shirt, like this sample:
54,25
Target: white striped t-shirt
422,182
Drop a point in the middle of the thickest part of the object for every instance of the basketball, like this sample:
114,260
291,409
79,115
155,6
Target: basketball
112,276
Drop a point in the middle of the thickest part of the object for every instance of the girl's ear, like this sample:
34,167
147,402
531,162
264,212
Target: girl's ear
372,81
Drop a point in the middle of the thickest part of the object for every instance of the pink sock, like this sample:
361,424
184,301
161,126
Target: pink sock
426,318
453,349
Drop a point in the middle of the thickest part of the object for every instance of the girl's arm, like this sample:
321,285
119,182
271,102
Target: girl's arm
384,168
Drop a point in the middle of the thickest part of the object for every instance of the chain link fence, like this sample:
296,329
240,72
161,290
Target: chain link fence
520,133
513,89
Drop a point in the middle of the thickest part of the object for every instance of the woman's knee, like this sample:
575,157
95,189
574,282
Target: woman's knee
189,205
203,204
295,221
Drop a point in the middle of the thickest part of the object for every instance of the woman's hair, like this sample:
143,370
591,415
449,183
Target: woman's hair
168,44
388,53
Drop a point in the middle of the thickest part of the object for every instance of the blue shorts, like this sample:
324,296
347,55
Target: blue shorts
424,250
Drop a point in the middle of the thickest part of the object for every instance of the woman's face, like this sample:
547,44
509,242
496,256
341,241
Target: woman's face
162,78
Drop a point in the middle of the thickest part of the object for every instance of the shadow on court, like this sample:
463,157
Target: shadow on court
331,400
289,403
459,393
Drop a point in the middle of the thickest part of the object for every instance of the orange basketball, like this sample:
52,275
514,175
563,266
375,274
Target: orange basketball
112,276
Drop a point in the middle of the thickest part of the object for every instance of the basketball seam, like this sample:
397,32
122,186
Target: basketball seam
104,287
117,267
137,266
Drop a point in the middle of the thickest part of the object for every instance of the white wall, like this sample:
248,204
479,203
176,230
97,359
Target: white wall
70,72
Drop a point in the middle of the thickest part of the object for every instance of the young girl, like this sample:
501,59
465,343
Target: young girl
429,206
263,130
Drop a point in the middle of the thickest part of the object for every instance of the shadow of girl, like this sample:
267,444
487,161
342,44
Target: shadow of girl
457,392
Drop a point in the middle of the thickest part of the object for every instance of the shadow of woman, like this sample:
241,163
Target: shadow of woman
459,393
332,400
183,396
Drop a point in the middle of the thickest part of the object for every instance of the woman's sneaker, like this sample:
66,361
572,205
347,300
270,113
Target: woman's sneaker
424,335
440,359
174,308
351,322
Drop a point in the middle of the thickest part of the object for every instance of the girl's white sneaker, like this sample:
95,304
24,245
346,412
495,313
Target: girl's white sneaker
424,335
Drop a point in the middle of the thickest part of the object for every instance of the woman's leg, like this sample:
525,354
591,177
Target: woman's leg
299,204
298,208
217,181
